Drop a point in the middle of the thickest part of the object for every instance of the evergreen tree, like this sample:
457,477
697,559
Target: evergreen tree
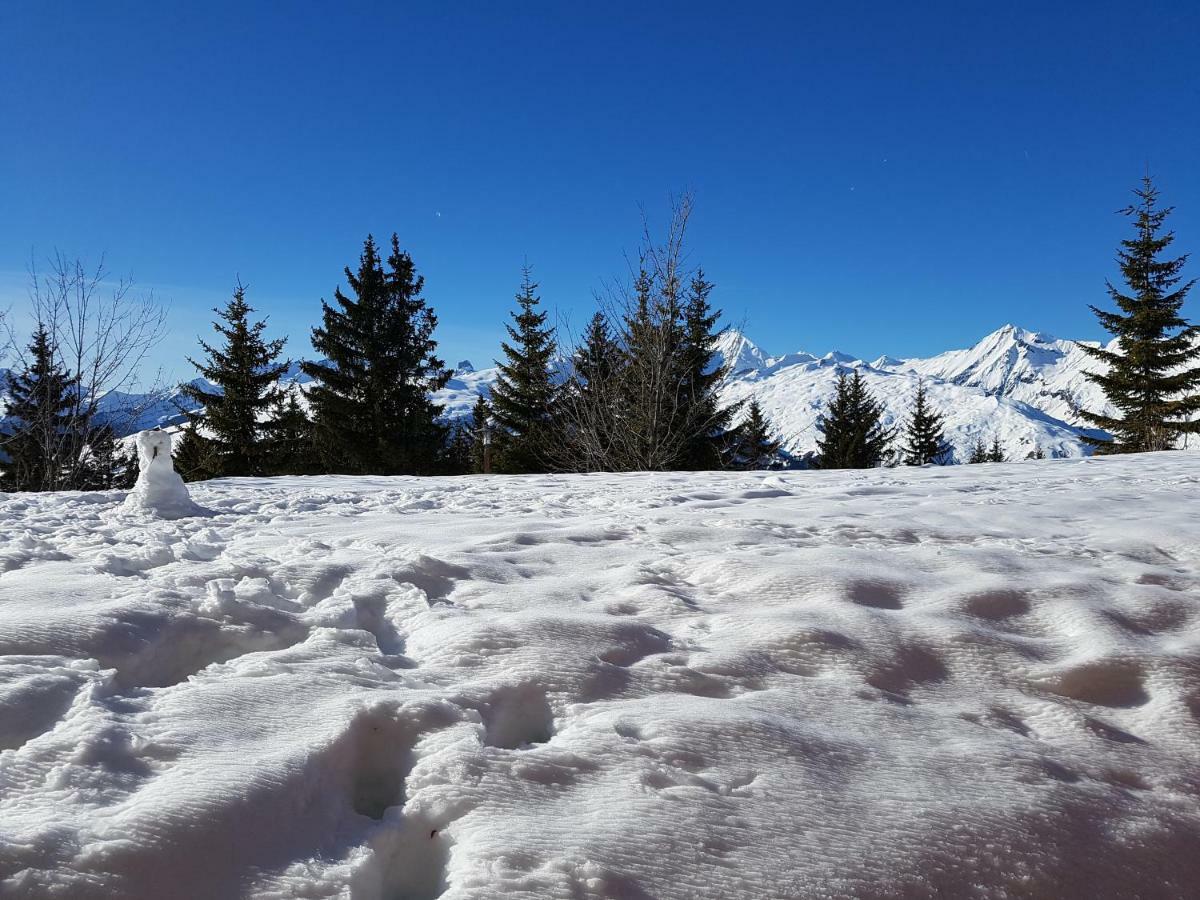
591,400
700,413
194,456
288,438
525,397
40,439
1037,452
372,403
924,440
244,369
853,435
105,464
996,452
481,415
979,452
1148,380
459,455
753,444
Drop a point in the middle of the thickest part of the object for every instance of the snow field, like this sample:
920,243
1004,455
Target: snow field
975,682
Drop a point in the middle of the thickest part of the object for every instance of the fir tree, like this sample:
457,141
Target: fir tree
753,444
525,397
979,452
924,440
105,464
481,415
853,435
996,452
1148,379
372,403
40,439
459,454
194,456
1037,452
288,438
701,415
591,400
244,369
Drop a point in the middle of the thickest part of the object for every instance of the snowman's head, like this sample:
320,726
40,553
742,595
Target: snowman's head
154,445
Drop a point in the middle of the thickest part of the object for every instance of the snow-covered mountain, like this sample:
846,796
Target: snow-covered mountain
1020,386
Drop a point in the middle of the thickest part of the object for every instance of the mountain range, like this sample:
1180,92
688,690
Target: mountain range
1021,387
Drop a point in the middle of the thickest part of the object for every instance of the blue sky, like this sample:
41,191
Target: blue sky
873,177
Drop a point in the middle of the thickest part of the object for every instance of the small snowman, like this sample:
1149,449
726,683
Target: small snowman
159,489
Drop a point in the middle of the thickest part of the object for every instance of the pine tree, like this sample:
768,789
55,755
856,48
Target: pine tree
481,415
753,445
525,396
1036,453
106,465
996,452
700,413
194,456
924,440
853,435
459,454
372,404
288,438
979,452
1148,380
591,400
40,439
244,369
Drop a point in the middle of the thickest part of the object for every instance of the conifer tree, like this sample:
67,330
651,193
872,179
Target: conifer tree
288,437
459,453
525,396
481,415
106,465
925,442
1037,452
244,369
700,413
996,452
853,435
1153,379
372,404
40,439
590,401
753,444
194,456
979,452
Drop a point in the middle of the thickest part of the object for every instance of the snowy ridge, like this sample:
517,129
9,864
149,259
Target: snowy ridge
1020,386
980,681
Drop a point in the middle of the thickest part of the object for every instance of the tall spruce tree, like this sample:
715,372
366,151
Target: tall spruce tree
525,395
288,438
372,404
853,435
590,401
244,369
701,413
1148,379
752,444
925,442
40,440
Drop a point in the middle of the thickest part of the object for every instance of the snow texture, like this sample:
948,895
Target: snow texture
159,489
980,682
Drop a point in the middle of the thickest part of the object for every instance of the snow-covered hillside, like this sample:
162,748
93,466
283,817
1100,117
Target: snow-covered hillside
971,682
1016,385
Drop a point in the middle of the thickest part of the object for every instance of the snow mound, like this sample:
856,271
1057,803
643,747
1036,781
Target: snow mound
159,489
972,682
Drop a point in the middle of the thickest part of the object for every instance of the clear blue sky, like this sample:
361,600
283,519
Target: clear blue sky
876,177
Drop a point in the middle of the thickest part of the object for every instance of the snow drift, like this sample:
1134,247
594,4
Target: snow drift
971,682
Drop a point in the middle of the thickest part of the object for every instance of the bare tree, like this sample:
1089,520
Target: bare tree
102,333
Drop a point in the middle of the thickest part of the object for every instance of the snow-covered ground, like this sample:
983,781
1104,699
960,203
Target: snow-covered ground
981,681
